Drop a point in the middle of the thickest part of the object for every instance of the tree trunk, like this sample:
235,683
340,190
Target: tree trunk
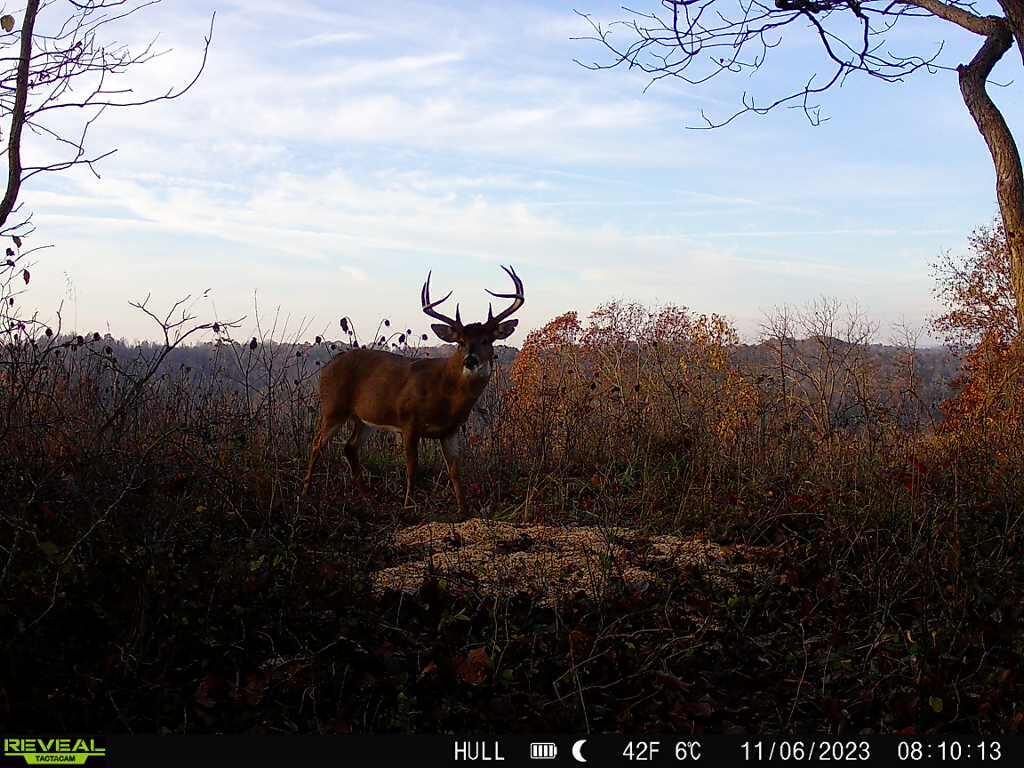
1005,156
10,198
1014,10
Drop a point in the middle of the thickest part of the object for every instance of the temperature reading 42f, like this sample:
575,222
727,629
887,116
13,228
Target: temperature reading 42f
641,750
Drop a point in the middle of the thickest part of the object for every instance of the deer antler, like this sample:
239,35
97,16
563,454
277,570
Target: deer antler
428,305
518,298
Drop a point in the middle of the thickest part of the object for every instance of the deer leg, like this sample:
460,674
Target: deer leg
327,429
411,440
352,452
450,448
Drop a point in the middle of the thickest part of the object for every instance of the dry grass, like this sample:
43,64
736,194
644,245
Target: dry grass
638,490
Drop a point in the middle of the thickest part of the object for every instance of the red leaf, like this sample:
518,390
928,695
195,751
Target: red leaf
254,689
25,276
833,710
1017,724
210,689
429,671
475,668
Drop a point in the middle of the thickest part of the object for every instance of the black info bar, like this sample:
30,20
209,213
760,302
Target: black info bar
564,750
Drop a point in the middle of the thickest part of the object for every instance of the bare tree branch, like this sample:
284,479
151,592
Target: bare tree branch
695,41
67,65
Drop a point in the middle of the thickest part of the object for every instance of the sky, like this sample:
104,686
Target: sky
334,152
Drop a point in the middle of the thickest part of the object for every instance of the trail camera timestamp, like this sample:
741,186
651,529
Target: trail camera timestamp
962,751
990,751
799,750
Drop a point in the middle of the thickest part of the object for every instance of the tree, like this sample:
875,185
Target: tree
59,60
980,319
698,40
976,291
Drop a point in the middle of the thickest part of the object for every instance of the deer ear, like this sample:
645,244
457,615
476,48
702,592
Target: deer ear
445,333
505,329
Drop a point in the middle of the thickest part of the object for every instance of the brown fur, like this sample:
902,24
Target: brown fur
426,398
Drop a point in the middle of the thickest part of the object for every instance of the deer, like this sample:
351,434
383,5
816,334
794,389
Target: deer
418,398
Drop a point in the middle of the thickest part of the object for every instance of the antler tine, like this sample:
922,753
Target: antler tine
428,305
518,298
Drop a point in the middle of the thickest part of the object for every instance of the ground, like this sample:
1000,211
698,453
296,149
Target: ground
495,558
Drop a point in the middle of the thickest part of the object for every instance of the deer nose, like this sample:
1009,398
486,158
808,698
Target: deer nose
472,361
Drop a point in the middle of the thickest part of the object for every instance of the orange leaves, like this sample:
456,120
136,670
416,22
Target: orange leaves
628,376
988,411
976,289
474,668
990,404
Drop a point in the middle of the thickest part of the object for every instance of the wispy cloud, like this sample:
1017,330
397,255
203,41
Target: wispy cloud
325,39
330,148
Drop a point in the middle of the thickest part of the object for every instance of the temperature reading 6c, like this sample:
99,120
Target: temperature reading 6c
687,750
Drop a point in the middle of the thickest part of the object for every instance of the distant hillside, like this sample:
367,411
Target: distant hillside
934,368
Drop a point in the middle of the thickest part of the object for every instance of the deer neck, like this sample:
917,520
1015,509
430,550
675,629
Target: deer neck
470,384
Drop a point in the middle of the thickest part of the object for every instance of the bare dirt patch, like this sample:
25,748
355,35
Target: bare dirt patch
492,557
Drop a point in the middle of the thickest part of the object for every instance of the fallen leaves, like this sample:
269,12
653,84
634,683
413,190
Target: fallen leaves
475,667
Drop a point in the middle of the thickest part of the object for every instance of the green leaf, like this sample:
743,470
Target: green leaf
49,548
935,703
7,22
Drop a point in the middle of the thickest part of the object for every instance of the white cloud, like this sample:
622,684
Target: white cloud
285,237
328,157
325,39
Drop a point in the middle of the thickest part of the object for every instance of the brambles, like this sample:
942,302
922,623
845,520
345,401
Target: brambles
151,538
631,383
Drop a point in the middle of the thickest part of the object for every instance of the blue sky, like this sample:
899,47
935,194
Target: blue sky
334,152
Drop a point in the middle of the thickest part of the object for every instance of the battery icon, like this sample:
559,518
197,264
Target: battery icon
543,750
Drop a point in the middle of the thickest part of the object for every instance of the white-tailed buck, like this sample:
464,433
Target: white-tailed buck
419,398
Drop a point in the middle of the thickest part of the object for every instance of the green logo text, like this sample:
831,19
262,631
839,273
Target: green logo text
53,751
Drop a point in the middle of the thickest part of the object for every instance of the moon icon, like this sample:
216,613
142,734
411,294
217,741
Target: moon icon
577,751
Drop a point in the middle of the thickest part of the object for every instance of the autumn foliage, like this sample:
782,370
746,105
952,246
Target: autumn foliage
987,410
159,571
629,383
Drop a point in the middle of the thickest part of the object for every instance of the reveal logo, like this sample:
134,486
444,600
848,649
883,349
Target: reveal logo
53,751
